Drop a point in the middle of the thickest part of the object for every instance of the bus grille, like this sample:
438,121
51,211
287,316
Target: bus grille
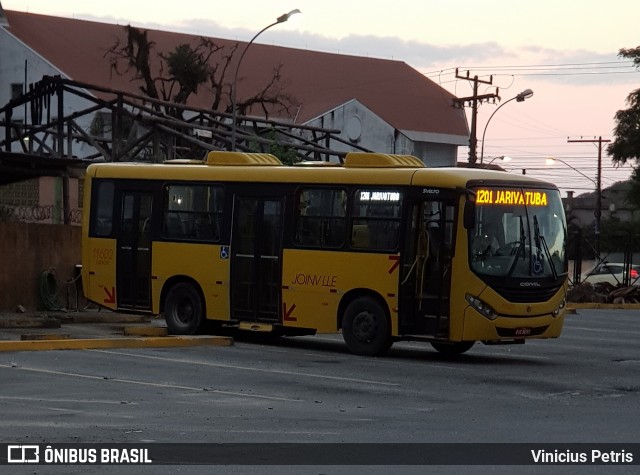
525,295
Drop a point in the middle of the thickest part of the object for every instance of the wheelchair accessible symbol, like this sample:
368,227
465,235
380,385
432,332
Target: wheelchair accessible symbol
538,267
224,252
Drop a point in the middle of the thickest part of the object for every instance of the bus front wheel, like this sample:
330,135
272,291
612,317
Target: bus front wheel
183,310
365,328
452,348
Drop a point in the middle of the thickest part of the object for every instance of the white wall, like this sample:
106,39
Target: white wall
18,60
363,127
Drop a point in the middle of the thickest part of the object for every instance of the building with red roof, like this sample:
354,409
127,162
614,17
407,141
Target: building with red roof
379,104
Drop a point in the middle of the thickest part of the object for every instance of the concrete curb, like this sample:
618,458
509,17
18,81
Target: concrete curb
110,343
146,331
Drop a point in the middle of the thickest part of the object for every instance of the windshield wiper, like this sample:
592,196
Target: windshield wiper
541,243
519,249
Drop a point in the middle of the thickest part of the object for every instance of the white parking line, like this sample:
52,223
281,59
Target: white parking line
151,384
247,368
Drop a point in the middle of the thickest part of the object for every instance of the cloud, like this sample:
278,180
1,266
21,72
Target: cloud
577,67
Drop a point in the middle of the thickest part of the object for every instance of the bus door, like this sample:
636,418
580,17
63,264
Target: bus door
133,257
426,268
256,271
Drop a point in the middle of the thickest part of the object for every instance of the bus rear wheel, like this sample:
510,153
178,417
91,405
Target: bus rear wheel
365,328
456,348
183,310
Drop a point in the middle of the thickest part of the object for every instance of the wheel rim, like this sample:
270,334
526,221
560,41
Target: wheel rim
184,311
365,326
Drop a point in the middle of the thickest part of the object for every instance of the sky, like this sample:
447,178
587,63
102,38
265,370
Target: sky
566,52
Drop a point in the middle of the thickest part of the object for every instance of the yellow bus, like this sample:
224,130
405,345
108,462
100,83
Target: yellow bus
380,248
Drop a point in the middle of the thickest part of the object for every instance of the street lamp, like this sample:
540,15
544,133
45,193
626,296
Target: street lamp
234,112
598,210
526,94
504,158
552,160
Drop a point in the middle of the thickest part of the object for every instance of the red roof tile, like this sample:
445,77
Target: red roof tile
393,90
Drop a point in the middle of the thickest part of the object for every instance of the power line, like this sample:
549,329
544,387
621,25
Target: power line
553,65
569,69
541,67
594,73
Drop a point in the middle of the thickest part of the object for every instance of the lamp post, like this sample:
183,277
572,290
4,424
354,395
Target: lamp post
504,158
552,160
234,112
526,94
598,184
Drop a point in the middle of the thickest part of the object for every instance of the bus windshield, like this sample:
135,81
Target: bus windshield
519,233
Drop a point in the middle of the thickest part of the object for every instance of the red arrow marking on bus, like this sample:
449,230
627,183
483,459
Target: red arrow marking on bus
287,313
396,263
111,296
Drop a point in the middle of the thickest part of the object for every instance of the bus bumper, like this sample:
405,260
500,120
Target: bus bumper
479,328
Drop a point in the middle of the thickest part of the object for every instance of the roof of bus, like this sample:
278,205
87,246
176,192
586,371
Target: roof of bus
446,177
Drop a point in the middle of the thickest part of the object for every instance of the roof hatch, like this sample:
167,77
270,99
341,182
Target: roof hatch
241,158
381,160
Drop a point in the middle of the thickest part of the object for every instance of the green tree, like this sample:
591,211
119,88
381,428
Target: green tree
626,145
188,68
633,195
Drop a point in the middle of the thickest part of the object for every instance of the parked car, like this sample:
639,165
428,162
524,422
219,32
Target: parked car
611,273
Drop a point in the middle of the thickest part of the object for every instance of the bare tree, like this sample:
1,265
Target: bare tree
184,70
135,54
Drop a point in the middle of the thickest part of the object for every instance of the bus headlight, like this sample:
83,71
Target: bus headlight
557,311
481,307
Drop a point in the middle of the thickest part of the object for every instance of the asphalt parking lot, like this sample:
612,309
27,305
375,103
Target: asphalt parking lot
101,329
580,388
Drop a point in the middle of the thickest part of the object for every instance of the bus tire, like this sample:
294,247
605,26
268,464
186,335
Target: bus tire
365,328
456,348
183,310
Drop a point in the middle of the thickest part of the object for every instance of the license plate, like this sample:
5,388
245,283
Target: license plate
523,331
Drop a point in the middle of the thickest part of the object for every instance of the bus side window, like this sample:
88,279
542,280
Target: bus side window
360,236
321,217
193,212
103,227
308,231
204,228
376,219
102,209
335,234
173,226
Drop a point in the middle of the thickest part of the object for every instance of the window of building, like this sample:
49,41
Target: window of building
321,217
193,212
376,219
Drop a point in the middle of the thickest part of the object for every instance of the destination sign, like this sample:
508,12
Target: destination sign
379,196
511,197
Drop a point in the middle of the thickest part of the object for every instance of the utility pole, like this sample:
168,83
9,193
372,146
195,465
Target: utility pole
473,102
598,211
